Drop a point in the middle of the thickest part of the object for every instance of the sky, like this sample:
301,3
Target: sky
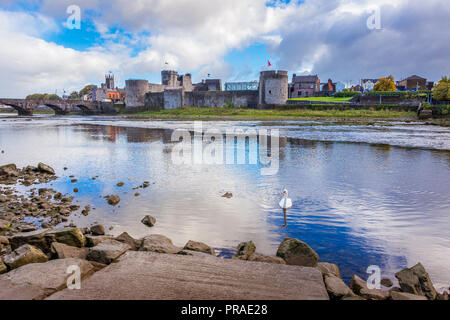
44,50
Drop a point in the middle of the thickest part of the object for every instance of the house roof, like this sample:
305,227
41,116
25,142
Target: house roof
305,79
415,77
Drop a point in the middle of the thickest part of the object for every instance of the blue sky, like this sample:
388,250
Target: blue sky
231,40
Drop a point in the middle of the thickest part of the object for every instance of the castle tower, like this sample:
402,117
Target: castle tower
109,81
169,78
273,88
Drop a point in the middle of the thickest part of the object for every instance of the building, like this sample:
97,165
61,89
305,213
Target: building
209,85
328,89
240,86
271,91
356,88
368,84
304,86
106,91
413,83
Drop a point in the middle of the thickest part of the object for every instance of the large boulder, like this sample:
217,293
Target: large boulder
63,251
267,259
149,221
296,252
70,236
336,288
405,296
129,240
359,286
200,247
416,281
45,168
39,280
35,238
329,269
158,243
107,251
245,250
24,255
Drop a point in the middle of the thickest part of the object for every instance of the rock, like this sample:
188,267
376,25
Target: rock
267,259
296,252
336,288
359,286
120,184
4,240
158,243
3,267
35,238
416,281
38,280
149,221
45,168
8,170
24,255
386,282
98,230
92,241
75,190
245,249
146,184
63,251
137,194
4,225
425,114
69,235
329,269
200,247
129,240
107,251
86,210
113,199
405,296
228,195
74,180
353,298
441,297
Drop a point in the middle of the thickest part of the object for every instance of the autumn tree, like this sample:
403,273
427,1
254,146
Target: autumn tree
385,84
442,90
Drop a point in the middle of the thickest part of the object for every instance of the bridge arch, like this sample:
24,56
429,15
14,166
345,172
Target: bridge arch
20,110
85,109
58,110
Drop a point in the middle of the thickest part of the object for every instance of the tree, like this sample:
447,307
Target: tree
74,96
43,96
86,90
385,84
442,90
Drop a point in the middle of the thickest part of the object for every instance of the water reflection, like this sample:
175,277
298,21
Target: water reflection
355,204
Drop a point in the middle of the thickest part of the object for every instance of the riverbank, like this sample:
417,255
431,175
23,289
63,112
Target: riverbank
38,240
287,113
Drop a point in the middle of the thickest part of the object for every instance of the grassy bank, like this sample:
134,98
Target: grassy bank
323,99
289,113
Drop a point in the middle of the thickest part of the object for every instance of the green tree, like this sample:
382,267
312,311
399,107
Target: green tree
442,90
43,96
385,84
74,96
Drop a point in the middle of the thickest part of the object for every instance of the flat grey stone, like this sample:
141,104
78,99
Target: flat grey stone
38,280
151,276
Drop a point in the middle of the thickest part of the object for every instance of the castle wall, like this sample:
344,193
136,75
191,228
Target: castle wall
173,98
136,90
221,98
154,100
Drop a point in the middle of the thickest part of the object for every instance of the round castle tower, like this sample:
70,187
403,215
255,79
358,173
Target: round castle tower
136,90
273,88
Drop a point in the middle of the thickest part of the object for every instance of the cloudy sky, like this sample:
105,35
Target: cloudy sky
232,40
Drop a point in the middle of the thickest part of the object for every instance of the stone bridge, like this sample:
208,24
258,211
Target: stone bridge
26,107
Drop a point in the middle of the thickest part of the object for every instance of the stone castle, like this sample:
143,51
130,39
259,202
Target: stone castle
176,91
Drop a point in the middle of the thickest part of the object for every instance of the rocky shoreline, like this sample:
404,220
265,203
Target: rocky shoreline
24,246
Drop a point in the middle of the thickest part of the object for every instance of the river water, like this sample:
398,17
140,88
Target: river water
369,194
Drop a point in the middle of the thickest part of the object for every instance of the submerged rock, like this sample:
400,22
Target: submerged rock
200,247
24,255
113,199
296,252
228,195
149,221
158,243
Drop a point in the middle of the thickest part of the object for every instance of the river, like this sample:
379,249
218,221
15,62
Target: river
363,194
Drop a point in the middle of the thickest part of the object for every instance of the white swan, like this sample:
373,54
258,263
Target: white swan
285,203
